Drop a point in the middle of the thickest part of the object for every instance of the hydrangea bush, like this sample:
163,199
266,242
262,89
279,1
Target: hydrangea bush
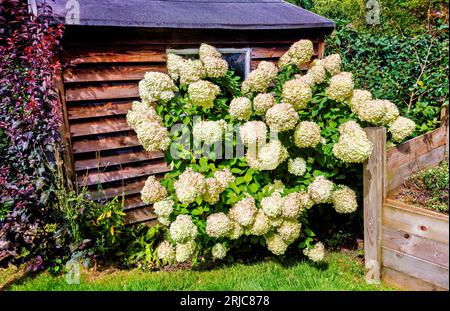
299,134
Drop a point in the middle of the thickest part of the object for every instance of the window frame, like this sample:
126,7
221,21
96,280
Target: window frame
246,51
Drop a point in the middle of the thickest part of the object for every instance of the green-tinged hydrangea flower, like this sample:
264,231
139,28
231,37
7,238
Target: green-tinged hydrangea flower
174,63
219,251
236,230
268,157
298,54
218,225
276,244
208,132
241,108
372,111
297,166
207,50
307,134
261,224
153,136
315,254
259,79
289,231
183,229
191,71
156,86
184,251
332,64
341,87
215,67
358,99
391,114
213,190
224,177
142,113
292,206
353,146
253,133
165,251
344,200
244,212
189,186
272,205
263,102
321,190
165,221
153,191
281,117
317,72
296,93
401,128
203,93
163,208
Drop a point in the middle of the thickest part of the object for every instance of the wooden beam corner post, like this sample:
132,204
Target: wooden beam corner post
374,172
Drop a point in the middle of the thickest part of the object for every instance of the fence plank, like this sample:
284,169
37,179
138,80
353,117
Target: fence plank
105,143
115,54
102,92
94,110
99,126
406,282
373,174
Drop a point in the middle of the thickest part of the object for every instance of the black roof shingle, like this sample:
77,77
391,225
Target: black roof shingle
193,14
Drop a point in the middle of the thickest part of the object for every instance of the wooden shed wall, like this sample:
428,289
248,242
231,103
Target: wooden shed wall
103,68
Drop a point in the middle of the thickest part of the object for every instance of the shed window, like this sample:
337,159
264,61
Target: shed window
237,59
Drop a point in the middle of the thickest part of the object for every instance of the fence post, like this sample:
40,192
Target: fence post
374,193
444,122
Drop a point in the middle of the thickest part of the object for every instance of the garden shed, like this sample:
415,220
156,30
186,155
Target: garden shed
108,45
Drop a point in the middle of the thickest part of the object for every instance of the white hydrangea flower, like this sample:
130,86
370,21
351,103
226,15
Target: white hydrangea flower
275,222
189,186
372,111
261,224
236,230
163,208
307,134
156,86
401,128
289,231
173,65
344,200
212,191
305,200
358,99
224,177
241,108
191,70
153,136
263,102
259,79
183,229
353,146
291,207
296,93
207,50
272,205
142,113
184,251
268,157
276,244
391,114
253,133
208,132
276,186
244,211
297,166
219,251
215,67
317,72
165,251
306,79
298,54
332,64
218,225
281,117
153,191
165,221
317,253
203,93
341,87
321,190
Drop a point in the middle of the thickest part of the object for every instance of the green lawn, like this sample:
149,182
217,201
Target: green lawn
338,272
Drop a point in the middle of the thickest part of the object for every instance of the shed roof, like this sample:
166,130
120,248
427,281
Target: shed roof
193,14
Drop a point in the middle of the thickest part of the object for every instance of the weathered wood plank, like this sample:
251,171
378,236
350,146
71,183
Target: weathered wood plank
103,161
115,54
417,221
415,267
128,187
99,177
373,175
139,215
414,148
99,126
102,91
406,282
411,244
92,110
110,73
395,177
134,201
105,143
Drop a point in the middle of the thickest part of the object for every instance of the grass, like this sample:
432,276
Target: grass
339,272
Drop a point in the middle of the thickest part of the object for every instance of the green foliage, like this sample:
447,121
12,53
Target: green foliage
410,72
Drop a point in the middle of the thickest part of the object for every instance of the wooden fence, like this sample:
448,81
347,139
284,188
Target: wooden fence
404,245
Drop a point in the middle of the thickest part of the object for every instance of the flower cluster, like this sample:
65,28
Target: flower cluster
218,225
184,251
298,54
276,244
289,230
297,166
358,99
142,113
215,66
401,128
332,64
163,209
165,251
157,86
259,79
268,157
208,132
272,205
241,108
281,117
297,93
344,200
321,190
316,253
189,186
219,251
244,211
203,93
263,102
341,87
353,145
253,133
153,191
261,225
307,134
183,229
